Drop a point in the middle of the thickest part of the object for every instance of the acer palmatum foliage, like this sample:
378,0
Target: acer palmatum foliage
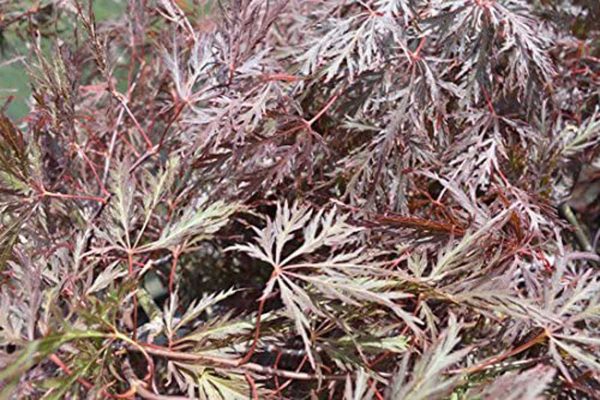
299,199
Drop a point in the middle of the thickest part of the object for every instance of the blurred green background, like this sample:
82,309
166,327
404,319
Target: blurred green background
14,80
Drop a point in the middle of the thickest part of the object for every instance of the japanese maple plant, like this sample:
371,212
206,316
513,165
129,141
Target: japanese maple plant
300,199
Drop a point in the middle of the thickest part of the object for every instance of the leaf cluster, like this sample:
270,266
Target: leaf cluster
265,199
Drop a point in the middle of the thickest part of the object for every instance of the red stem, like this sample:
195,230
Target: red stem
250,352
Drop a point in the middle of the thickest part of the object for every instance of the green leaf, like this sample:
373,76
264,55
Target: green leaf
195,224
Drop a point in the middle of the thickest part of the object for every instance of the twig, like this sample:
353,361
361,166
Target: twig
582,238
233,364
501,357
252,384
73,196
